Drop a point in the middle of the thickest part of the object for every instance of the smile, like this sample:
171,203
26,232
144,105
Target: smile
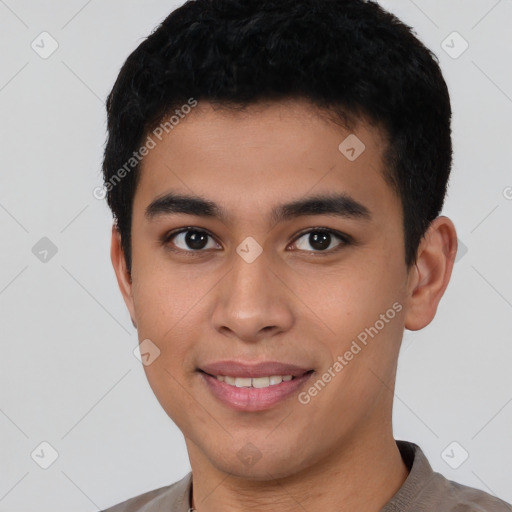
256,382
251,394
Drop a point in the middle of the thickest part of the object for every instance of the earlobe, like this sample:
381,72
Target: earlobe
429,277
123,277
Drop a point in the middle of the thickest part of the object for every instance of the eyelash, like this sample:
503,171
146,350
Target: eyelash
345,240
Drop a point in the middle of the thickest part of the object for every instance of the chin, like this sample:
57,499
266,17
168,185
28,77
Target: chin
252,464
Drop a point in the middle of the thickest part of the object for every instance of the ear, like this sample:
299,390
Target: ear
124,279
430,275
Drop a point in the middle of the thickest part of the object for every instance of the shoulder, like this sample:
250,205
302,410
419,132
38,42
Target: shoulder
425,490
449,496
171,498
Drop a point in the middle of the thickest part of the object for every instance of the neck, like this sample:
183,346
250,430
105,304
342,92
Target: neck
362,477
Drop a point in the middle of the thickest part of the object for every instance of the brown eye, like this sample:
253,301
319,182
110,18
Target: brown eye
320,240
192,240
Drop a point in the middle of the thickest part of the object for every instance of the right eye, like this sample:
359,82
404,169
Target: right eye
190,240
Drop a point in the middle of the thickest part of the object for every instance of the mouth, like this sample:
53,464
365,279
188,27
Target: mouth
253,388
256,382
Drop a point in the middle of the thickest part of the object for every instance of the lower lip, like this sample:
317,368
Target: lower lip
253,399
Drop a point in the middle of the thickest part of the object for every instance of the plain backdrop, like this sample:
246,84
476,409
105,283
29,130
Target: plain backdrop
68,374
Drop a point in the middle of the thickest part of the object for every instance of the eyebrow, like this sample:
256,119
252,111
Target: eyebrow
339,205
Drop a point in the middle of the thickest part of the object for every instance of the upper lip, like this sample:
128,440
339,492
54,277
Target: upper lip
262,369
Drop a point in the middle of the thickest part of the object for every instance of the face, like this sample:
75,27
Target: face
286,249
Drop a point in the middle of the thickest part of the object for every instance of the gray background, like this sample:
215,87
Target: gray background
67,369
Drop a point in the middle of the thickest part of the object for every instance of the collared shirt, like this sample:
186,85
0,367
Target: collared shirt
423,491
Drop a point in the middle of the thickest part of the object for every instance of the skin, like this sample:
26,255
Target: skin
293,304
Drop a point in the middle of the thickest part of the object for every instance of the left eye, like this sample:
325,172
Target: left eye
320,240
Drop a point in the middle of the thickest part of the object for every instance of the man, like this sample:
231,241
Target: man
276,170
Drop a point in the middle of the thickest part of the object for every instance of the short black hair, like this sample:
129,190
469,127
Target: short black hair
351,58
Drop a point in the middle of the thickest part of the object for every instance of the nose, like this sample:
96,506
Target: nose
252,301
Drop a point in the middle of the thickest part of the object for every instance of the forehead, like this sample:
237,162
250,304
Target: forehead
245,159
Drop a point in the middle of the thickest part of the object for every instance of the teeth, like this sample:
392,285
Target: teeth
242,382
260,382
256,382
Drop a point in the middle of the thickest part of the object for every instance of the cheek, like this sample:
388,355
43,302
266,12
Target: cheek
162,316
165,313
162,296
363,309
351,299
